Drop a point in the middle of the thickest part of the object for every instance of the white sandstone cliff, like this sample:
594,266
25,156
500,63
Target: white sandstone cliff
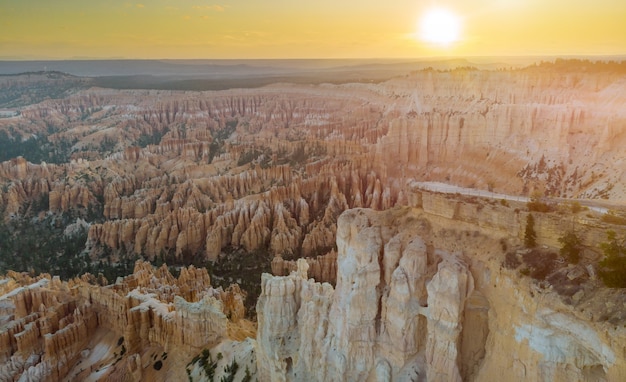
407,307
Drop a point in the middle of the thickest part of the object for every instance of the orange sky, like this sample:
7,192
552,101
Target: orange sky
44,29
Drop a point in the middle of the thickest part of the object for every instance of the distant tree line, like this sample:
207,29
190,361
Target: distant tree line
31,91
582,65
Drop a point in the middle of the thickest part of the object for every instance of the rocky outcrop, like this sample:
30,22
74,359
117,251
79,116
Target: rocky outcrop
49,324
409,305
322,268
447,292
279,219
372,322
508,220
497,121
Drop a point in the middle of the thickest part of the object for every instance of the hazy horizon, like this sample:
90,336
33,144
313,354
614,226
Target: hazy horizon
313,58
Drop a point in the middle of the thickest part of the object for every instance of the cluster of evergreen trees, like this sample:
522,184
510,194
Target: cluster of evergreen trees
34,245
612,269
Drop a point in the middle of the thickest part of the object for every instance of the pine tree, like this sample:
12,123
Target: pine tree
571,247
530,236
613,266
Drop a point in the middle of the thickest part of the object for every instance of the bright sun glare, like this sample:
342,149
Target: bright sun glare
439,26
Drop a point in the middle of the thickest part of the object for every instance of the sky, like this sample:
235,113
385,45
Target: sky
251,29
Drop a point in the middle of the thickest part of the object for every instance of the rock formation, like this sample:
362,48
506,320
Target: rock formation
410,305
49,325
189,174
322,268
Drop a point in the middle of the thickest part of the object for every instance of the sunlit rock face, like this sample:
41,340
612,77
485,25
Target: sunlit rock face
408,306
50,328
510,130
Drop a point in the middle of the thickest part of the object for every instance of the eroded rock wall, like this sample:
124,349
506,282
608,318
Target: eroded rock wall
410,303
378,319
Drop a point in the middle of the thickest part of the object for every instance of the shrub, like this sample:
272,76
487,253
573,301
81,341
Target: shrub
538,206
503,244
511,261
612,218
205,361
248,156
230,371
206,353
536,203
539,264
247,377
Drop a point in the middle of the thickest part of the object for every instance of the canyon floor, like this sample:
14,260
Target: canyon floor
392,210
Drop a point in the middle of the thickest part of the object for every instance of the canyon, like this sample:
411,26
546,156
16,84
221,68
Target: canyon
374,276
273,167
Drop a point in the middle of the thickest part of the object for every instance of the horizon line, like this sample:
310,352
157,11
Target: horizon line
444,57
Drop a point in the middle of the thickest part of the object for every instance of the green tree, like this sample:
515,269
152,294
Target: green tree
613,266
571,247
530,236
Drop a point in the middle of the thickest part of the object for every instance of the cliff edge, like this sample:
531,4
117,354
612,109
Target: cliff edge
409,305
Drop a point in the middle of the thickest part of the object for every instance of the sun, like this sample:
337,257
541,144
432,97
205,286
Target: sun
439,26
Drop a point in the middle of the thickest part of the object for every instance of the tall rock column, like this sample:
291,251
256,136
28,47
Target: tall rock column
277,312
447,292
403,333
355,313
